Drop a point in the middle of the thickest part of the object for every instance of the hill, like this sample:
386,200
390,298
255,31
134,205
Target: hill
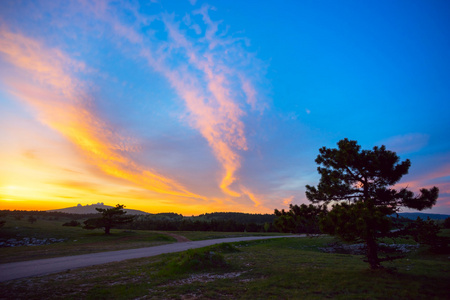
424,216
90,209
244,218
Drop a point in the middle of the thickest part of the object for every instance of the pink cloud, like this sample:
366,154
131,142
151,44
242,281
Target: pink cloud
288,200
256,200
406,143
210,74
424,180
204,81
45,83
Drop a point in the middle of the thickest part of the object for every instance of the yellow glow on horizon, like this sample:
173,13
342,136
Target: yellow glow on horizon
69,155
158,208
46,85
9,190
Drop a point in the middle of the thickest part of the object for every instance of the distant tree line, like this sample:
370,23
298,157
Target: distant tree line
200,223
238,217
19,214
218,221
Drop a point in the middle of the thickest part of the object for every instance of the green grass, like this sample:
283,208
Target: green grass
86,242
81,241
209,235
77,240
445,232
198,260
291,268
42,228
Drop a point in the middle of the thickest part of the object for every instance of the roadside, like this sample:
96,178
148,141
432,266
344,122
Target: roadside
40,267
84,243
78,241
179,238
262,269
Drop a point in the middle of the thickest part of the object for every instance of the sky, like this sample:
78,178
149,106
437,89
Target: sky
208,106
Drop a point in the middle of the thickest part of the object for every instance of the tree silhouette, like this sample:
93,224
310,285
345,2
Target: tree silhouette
299,219
359,182
110,218
32,219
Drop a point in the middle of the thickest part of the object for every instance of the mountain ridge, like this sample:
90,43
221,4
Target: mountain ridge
91,209
424,216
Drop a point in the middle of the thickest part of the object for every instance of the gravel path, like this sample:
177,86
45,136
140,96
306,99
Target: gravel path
39,267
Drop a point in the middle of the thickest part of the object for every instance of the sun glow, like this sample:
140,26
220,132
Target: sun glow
62,104
184,107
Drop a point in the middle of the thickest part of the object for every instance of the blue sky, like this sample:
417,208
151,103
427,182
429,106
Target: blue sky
201,106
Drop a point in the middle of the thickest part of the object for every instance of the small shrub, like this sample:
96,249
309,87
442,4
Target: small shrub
195,260
224,248
32,219
426,233
72,223
446,223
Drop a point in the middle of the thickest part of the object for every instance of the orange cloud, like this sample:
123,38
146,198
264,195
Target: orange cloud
288,200
252,196
425,179
214,92
220,125
46,84
202,79
214,110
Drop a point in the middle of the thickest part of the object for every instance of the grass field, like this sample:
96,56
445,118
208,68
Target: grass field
267,269
81,241
208,235
291,268
77,240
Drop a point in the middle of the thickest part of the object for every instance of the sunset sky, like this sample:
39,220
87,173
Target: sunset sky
207,106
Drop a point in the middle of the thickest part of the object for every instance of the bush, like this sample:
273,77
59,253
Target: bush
32,219
224,248
195,260
447,223
72,223
426,233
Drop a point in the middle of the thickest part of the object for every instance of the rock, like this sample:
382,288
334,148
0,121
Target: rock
26,241
360,249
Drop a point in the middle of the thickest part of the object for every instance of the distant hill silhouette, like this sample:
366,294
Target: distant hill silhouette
244,218
424,216
90,209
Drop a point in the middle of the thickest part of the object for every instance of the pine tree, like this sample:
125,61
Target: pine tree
111,217
359,183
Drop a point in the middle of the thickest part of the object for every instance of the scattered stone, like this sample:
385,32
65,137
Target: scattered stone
205,277
360,249
29,242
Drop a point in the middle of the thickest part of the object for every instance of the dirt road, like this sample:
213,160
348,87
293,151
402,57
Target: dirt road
39,267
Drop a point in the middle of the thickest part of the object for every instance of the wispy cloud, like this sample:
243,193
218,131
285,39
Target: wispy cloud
288,200
428,176
215,93
47,84
406,143
255,199
213,99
